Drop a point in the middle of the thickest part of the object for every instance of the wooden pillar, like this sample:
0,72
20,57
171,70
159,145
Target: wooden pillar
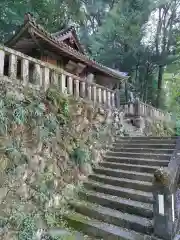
12,66
55,78
25,71
82,89
94,93
37,75
109,98
2,58
63,83
104,96
70,85
46,80
89,89
76,88
113,99
99,95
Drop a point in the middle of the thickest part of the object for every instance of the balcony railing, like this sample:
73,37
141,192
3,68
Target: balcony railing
139,108
32,72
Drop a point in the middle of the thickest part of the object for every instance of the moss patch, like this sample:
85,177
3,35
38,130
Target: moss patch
45,140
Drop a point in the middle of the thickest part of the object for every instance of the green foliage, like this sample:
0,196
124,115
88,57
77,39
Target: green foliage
121,32
80,156
61,105
13,151
36,109
3,118
66,237
19,115
3,221
162,129
27,228
34,113
53,219
178,128
25,223
60,14
51,123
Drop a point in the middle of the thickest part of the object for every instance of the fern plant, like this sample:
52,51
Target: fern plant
65,108
51,123
25,223
19,115
80,156
14,153
3,118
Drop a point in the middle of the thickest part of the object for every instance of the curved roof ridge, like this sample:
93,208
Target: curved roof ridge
64,31
31,21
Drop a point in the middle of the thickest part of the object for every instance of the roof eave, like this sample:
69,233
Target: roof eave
74,53
18,34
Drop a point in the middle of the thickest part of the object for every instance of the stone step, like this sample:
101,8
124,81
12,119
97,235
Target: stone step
131,167
139,161
139,140
98,229
128,193
111,216
148,138
125,205
124,174
144,145
123,182
139,155
142,150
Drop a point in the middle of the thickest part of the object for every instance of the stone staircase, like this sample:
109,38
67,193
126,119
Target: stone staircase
131,130
116,202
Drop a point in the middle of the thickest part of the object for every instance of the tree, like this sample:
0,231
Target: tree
118,42
95,12
52,14
165,38
118,39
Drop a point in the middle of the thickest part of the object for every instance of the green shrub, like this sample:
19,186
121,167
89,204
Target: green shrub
3,118
24,223
178,128
80,156
27,228
19,115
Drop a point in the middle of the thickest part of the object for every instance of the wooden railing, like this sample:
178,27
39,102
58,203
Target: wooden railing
139,108
32,72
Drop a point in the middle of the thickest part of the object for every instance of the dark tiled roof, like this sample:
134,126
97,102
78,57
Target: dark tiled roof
66,48
71,30
64,31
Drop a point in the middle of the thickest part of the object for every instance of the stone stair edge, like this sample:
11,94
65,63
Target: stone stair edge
131,165
133,203
108,230
141,153
113,212
139,192
131,158
124,171
122,179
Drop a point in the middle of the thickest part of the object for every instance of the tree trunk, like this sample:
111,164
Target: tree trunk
160,78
